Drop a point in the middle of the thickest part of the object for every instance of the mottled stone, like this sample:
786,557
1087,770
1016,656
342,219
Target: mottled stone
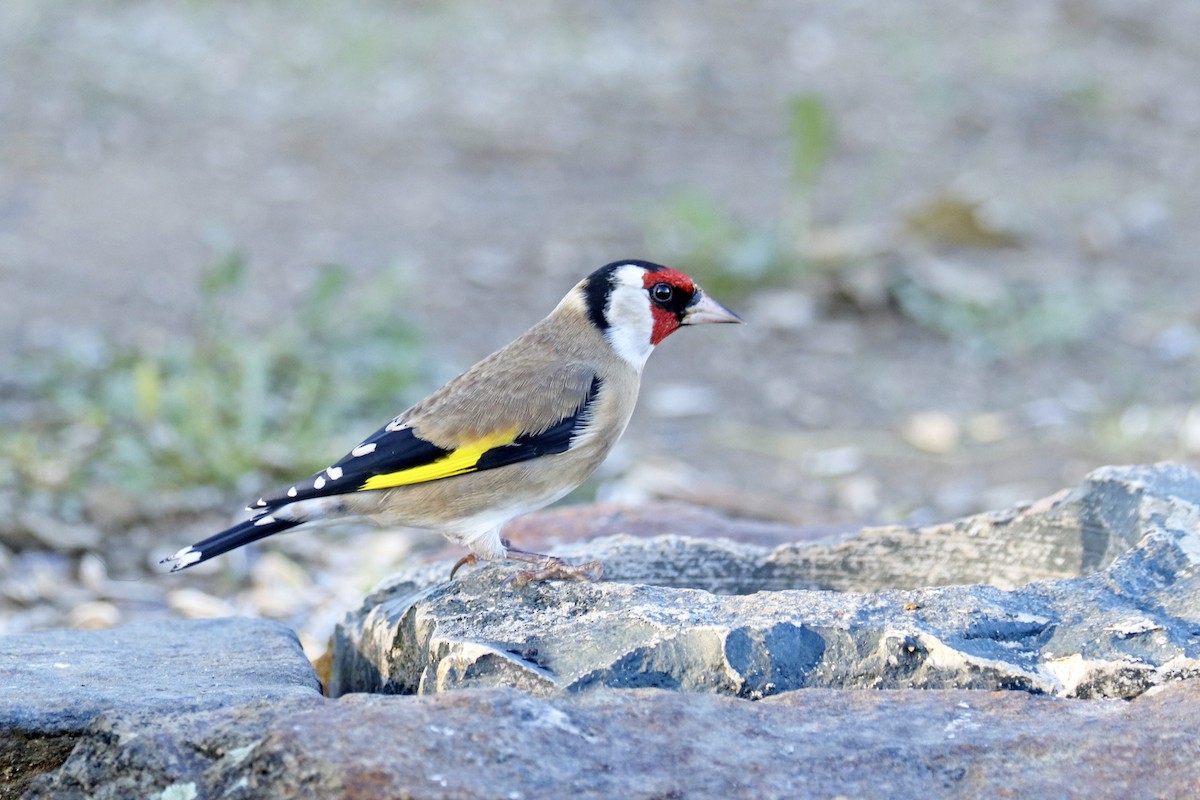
649,743
54,684
676,612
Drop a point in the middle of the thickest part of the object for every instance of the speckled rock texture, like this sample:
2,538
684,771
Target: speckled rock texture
736,619
650,743
640,685
55,684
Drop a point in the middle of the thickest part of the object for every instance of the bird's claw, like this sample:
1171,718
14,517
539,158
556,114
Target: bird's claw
468,560
554,568
545,568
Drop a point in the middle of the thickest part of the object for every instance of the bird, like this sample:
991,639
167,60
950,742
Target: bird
515,432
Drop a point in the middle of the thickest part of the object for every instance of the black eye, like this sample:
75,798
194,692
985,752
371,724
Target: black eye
662,292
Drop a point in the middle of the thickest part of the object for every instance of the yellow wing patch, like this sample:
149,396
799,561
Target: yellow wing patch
457,462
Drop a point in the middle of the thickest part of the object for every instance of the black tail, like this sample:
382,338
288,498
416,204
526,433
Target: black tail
230,539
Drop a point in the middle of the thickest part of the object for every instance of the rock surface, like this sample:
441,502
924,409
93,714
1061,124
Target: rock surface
647,743
637,686
1129,620
55,684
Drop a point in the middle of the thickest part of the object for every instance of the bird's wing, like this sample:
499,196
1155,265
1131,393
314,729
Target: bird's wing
397,454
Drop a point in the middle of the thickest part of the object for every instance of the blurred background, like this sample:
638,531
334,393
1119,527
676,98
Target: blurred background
236,237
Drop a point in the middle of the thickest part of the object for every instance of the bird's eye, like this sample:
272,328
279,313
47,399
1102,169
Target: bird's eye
662,292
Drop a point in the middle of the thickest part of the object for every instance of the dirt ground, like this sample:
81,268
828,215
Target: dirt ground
496,154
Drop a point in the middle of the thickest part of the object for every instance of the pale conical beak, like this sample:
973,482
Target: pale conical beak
704,310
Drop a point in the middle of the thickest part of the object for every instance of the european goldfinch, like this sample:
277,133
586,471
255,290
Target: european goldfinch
513,433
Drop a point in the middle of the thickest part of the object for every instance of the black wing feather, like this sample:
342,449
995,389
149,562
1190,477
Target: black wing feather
555,439
401,449
395,450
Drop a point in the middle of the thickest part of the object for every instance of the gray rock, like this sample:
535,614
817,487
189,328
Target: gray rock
54,684
174,755
643,743
1093,593
229,708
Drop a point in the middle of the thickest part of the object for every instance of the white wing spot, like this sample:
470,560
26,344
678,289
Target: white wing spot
363,450
185,557
334,473
292,492
261,503
265,519
395,425
319,483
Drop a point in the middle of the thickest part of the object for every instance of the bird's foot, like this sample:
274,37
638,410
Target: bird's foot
552,568
470,560
557,569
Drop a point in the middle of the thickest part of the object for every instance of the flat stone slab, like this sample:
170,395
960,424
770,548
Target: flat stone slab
54,684
1128,621
648,743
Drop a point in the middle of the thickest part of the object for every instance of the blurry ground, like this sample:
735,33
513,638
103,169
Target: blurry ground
495,155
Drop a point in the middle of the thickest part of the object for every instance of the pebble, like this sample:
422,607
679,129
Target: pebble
1189,430
860,494
195,604
932,432
93,572
58,535
93,615
281,586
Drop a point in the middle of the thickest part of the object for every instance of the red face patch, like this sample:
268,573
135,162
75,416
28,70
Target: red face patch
667,314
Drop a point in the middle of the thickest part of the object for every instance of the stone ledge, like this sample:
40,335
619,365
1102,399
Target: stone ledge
643,743
56,683
1091,595
1127,621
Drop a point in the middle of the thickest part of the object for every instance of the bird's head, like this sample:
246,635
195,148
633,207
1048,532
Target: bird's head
637,304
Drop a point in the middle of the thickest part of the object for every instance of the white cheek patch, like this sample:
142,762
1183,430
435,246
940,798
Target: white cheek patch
630,320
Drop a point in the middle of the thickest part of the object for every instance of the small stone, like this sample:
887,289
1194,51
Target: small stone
111,509
860,494
932,432
281,585
38,577
195,604
58,535
1189,431
952,220
93,572
94,615
1136,421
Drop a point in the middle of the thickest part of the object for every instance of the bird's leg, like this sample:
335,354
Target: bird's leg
551,568
547,567
470,559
